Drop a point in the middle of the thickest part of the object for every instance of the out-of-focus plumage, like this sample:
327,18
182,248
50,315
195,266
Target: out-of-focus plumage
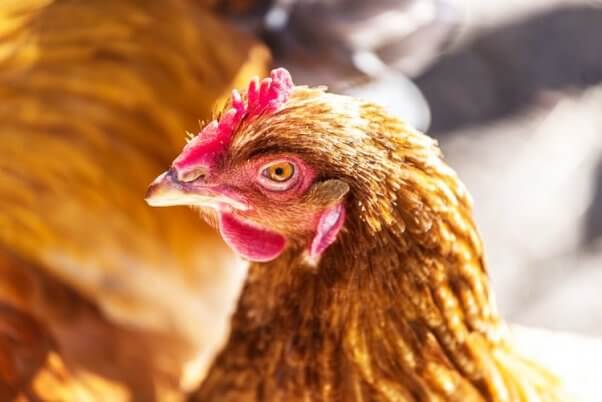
398,308
94,99
231,6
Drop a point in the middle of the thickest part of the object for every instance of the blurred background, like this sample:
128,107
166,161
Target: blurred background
97,95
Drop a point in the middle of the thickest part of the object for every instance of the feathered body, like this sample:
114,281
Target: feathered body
398,308
94,98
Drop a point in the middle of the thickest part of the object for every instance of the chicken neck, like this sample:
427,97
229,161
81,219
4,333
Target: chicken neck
392,312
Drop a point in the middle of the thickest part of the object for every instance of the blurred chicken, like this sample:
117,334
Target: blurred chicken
120,303
368,280
232,6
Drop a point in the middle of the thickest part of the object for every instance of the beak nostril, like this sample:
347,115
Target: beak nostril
172,174
190,175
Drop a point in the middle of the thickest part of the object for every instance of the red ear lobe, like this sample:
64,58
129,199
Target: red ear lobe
250,242
329,224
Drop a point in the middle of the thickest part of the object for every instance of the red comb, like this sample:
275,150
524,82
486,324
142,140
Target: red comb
263,98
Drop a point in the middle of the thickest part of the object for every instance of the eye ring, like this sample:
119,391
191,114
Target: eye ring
279,175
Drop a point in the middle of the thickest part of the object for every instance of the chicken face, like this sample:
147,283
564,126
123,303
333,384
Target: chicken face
264,196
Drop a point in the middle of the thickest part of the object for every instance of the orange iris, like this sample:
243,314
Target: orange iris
280,171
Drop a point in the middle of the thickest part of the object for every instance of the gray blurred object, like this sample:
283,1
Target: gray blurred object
363,48
404,34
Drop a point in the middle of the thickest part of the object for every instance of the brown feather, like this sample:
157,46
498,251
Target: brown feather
95,96
399,308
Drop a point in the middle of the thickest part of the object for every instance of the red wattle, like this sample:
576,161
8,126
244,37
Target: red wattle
250,242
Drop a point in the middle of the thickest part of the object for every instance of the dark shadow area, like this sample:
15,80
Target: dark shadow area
593,221
504,70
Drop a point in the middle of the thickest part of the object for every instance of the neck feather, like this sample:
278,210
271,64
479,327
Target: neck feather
397,310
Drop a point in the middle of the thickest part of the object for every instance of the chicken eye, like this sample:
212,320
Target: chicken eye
277,176
279,171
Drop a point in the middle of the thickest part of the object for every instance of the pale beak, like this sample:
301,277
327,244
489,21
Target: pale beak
166,191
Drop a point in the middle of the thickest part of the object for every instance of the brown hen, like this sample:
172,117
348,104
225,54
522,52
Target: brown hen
369,281
94,97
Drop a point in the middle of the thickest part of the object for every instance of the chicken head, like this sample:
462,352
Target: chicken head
262,195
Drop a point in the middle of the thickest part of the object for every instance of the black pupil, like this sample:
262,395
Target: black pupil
279,171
